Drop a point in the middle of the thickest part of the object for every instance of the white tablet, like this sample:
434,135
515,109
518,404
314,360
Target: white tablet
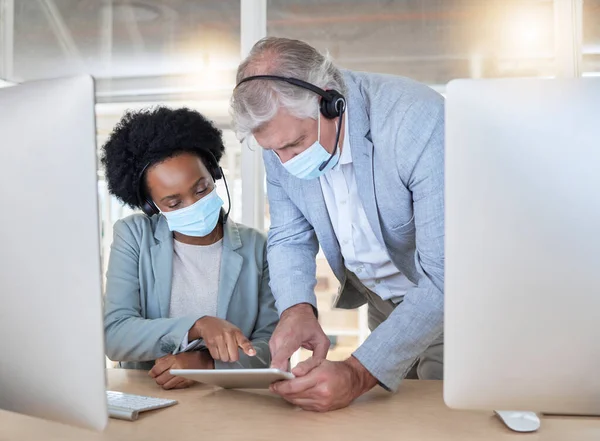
235,378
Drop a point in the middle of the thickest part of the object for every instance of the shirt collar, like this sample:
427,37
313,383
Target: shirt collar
346,155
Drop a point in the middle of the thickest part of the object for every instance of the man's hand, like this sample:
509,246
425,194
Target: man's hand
298,327
323,385
184,360
221,338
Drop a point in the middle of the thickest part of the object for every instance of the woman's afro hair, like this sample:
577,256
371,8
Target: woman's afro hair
150,136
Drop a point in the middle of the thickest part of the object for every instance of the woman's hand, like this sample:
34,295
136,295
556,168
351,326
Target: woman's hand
185,360
221,338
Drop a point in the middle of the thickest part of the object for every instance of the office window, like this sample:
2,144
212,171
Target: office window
168,46
432,41
141,53
591,38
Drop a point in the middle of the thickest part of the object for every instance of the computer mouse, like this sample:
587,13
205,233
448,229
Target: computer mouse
519,421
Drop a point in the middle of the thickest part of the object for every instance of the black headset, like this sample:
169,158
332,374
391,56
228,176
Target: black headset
332,105
148,206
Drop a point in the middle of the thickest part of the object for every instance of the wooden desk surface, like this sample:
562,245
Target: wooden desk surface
417,412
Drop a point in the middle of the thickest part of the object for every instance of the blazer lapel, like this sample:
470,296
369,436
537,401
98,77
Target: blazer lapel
359,128
319,219
231,267
162,265
362,156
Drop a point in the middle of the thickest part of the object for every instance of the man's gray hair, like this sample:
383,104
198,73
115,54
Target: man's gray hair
256,102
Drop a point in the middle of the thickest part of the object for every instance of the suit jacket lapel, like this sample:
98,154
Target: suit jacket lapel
319,219
231,267
362,157
162,265
361,147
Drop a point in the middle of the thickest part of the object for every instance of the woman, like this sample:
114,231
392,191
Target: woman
186,287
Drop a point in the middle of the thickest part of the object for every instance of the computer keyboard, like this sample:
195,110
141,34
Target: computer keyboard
128,407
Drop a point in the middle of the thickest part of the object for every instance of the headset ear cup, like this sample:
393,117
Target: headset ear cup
326,108
218,173
330,108
212,166
149,209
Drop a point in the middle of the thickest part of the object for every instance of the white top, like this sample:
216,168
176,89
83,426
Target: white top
195,284
363,253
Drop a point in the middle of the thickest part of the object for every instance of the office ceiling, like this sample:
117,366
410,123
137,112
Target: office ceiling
156,50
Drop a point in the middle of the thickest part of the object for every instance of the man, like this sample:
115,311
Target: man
357,168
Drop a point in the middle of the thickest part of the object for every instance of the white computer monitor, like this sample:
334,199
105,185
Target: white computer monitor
52,343
522,314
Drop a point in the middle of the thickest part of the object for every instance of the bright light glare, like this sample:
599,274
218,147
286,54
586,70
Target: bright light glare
525,32
530,35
